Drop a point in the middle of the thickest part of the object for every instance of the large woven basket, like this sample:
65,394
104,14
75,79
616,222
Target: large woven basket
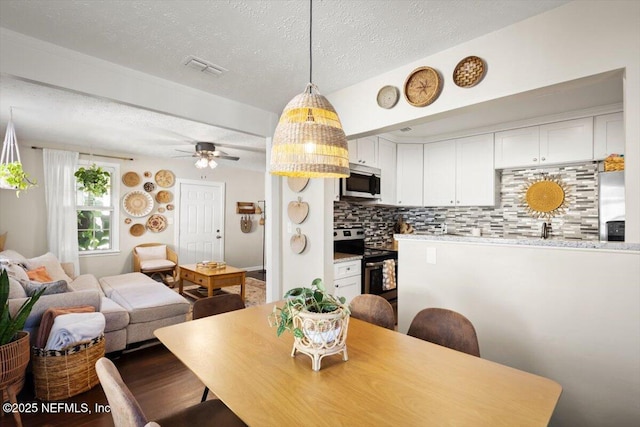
61,374
14,358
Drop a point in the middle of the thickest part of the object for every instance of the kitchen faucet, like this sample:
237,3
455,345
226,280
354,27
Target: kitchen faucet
546,229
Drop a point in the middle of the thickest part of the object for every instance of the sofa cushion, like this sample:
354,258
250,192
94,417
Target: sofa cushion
50,288
40,274
146,303
85,282
15,289
109,283
115,315
51,263
14,269
156,264
151,252
13,255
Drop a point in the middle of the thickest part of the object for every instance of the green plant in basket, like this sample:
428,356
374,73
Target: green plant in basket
93,180
14,177
315,299
10,326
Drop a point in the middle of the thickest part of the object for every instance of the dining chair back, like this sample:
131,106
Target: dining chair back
211,306
447,328
126,412
373,309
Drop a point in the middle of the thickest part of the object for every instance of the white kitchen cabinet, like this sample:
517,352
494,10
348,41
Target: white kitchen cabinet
608,135
364,151
409,174
554,143
517,147
460,172
387,162
347,279
567,141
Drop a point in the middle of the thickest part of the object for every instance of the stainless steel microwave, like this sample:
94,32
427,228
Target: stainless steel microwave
363,182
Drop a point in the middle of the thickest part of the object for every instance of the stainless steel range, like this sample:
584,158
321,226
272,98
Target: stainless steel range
351,241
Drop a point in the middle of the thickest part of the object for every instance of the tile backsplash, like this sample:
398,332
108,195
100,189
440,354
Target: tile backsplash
508,219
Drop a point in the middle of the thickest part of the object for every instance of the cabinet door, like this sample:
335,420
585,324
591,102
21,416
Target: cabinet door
368,151
348,288
410,163
517,147
608,135
568,141
475,174
439,173
387,163
353,151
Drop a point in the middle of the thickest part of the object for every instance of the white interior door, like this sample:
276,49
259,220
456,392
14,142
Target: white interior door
200,221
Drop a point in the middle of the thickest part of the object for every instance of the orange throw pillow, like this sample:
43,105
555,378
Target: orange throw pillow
40,274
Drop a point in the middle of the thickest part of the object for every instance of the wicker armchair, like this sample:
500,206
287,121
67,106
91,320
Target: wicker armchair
156,258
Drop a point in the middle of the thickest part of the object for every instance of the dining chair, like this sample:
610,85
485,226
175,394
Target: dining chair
447,328
373,309
126,412
211,306
156,258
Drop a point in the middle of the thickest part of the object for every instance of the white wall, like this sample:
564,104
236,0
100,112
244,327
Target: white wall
569,315
25,217
579,39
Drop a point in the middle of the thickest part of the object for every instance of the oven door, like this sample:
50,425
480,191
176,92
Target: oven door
373,281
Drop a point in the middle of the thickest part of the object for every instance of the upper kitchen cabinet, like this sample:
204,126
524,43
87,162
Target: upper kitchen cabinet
460,172
409,167
387,163
364,151
608,135
562,142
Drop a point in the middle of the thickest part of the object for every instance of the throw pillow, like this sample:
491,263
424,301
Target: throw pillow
15,289
52,265
14,269
40,274
152,252
51,288
13,256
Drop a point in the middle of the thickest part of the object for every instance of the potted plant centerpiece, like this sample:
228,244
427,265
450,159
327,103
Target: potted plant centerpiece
94,180
14,343
317,319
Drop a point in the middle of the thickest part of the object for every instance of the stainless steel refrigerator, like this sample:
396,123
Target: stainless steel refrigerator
611,205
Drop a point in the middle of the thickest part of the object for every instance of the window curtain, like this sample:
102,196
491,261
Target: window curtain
60,197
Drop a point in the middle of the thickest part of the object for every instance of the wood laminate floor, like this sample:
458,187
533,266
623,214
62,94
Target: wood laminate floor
158,380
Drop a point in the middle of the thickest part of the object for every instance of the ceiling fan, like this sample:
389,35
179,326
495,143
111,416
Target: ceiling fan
206,154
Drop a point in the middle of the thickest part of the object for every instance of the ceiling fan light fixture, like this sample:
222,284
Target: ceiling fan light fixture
202,163
309,140
212,164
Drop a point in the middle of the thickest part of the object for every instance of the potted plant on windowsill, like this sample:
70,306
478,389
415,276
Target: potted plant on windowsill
93,180
14,343
13,177
317,319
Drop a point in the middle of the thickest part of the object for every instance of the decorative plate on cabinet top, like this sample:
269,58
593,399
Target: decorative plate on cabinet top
388,97
137,203
469,71
131,179
422,86
165,178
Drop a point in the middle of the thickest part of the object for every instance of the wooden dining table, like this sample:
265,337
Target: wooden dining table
389,378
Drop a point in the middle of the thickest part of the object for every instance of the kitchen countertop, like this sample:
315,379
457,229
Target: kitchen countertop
342,257
550,243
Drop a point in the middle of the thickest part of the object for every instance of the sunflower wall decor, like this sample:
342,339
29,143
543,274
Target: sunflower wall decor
544,197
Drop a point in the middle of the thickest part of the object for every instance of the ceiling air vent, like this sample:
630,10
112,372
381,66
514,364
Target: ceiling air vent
204,66
405,129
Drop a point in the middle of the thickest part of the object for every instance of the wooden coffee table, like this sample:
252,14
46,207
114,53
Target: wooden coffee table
212,278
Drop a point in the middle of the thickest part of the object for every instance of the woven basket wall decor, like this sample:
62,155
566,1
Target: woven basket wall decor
469,72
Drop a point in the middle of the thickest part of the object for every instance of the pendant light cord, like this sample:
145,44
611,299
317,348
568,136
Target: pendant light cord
310,44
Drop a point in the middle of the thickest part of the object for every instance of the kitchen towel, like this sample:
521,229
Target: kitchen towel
73,328
388,274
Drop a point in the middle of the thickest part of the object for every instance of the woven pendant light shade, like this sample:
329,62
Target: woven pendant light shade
309,141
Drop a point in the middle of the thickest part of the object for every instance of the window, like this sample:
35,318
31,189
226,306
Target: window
98,217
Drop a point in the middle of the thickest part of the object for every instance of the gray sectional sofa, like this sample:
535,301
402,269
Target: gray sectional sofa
133,304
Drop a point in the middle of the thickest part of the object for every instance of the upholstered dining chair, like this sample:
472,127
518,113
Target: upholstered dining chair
126,411
156,258
211,306
447,328
373,309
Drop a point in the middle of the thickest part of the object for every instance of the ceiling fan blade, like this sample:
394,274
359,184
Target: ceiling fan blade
183,151
227,157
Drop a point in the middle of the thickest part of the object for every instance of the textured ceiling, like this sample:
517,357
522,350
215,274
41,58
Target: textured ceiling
262,44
